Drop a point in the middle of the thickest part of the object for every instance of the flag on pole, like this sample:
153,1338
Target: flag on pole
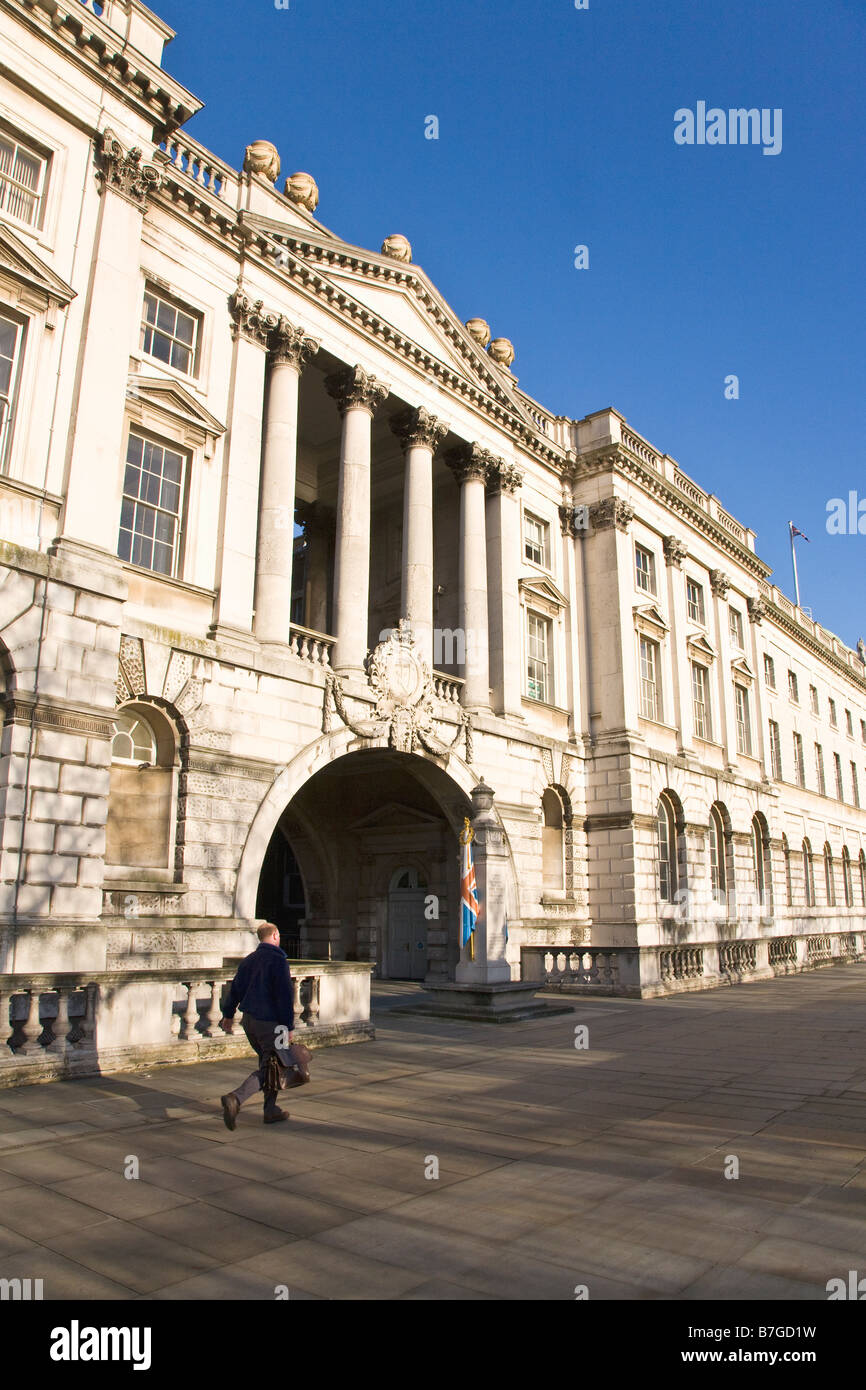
468,894
795,531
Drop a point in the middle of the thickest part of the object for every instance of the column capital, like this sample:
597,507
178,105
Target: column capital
354,388
609,513
719,583
417,427
504,477
470,462
250,319
757,609
675,551
290,345
122,170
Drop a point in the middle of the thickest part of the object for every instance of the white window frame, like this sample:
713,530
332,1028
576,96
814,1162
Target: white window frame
171,446
701,707
649,683
813,700
155,292
793,687
19,142
530,519
696,607
744,720
799,760
769,672
820,769
840,782
650,587
735,627
9,402
775,750
546,626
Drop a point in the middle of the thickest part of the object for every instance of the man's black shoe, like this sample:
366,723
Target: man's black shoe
273,1117
231,1106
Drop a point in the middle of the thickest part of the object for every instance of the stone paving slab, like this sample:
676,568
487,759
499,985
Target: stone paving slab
556,1166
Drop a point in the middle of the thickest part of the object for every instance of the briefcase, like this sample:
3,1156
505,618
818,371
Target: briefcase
294,1065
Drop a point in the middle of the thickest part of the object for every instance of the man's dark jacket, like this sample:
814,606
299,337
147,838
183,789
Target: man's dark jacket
262,988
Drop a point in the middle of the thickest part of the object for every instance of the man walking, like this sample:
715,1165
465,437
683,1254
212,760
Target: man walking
262,989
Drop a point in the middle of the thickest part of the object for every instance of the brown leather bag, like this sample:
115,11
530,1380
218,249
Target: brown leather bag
288,1067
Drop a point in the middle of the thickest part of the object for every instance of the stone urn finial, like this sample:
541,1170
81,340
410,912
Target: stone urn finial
397,247
482,799
479,329
303,190
502,352
262,158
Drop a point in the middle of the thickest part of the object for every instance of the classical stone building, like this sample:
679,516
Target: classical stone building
290,565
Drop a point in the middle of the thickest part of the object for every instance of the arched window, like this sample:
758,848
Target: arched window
552,843
808,874
829,876
789,884
718,856
142,801
863,877
667,846
761,860
846,878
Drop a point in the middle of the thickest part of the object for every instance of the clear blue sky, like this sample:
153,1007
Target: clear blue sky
556,129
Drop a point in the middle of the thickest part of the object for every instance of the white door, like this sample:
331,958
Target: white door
407,926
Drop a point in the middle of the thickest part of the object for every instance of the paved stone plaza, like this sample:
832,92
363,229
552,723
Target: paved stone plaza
557,1166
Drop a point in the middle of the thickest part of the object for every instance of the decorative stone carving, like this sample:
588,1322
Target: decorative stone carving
470,461
250,319
757,609
303,190
610,512
131,679
719,583
402,684
504,477
262,158
417,426
290,344
352,388
479,329
123,171
502,352
675,551
573,520
398,248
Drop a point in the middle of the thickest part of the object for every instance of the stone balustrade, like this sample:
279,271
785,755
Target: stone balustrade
310,646
58,1025
189,158
576,969
447,688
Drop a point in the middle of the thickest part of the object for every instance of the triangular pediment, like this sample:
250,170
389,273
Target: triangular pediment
700,647
541,587
394,299
741,668
395,816
22,264
173,399
648,615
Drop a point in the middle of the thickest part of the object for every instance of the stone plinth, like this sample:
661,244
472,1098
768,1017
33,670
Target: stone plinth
513,1002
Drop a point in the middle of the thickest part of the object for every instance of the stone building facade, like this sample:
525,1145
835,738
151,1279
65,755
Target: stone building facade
290,565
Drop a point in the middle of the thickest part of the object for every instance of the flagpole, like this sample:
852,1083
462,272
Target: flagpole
794,562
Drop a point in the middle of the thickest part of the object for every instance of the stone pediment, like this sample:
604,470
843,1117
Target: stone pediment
741,670
393,299
171,400
20,263
393,816
543,590
700,648
650,620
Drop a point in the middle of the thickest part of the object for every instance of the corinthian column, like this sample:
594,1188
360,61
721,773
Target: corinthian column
291,351
358,396
420,433
470,465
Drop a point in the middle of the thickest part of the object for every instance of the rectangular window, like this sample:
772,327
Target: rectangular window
649,691
701,697
744,723
644,570
793,687
169,334
813,699
775,751
695,602
863,730
769,673
855,785
840,786
736,625
799,765
849,723
11,342
150,518
22,181
833,720
538,647
819,769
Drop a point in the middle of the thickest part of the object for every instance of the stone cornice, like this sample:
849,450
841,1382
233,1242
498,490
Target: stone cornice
133,79
418,428
793,629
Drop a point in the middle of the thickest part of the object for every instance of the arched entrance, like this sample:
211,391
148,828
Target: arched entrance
369,841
